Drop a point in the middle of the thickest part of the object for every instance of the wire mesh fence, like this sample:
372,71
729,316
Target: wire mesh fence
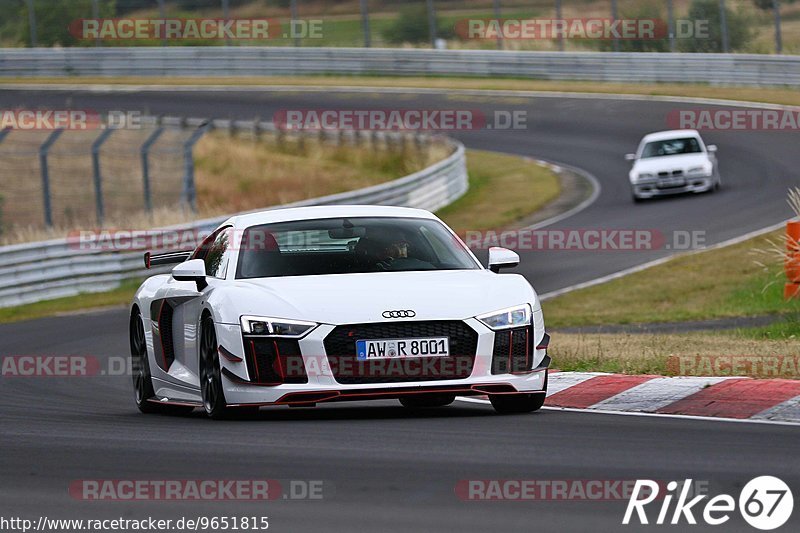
65,178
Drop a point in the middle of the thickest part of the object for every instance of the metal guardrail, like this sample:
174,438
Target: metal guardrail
218,61
46,270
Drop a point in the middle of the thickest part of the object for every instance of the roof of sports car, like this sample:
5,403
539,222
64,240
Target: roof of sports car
325,211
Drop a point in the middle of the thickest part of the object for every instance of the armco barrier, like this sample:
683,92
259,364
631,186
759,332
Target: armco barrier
220,61
47,270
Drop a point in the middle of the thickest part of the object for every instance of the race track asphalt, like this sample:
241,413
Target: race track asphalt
384,468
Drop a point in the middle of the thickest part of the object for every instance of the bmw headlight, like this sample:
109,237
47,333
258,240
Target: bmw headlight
698,171
646,175
511,317
275,327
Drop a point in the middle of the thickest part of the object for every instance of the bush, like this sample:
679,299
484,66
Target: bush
738,28
411,26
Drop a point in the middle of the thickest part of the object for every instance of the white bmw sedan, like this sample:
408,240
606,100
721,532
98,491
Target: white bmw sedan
321,304
672,162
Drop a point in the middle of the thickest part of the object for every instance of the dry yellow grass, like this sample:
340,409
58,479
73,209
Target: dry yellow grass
239,173
651,353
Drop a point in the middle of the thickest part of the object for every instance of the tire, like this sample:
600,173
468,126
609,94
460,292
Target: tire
423,401
142,381
507,404
636,199
211,391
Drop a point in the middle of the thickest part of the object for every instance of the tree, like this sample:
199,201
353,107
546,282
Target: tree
411,26
708,10
646,10
767,4
53,18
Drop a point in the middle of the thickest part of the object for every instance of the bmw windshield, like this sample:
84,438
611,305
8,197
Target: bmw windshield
688,145
350,246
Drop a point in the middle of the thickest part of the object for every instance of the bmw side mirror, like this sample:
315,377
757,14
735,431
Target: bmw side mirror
192,270
711,148
630,157
502,258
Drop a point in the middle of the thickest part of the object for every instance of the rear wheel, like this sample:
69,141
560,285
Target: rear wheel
422,401
519,403
140,365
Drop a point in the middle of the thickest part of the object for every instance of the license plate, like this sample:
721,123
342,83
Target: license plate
675,182
399,348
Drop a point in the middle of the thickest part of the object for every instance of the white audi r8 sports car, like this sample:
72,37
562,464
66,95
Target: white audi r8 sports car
672,162
320,304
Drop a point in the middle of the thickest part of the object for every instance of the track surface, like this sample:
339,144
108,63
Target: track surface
383,467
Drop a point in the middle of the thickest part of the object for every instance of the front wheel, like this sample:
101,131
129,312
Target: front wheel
210,373
519,403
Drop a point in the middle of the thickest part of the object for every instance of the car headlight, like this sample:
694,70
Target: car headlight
698,171
276,327
646,175
511,317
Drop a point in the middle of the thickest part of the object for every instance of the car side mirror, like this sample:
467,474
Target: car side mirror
192,270
711,148
630,157
502,258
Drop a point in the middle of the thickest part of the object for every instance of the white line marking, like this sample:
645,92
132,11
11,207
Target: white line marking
654,415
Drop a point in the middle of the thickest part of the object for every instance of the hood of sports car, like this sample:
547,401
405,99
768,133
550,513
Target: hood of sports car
360,298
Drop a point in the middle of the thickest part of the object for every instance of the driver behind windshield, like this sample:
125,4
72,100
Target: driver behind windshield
393,253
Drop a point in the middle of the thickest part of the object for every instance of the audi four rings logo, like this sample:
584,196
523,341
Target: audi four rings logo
408,313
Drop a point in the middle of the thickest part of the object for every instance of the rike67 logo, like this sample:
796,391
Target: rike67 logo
765,503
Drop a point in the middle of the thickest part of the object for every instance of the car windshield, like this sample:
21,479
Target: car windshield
349,246
687,145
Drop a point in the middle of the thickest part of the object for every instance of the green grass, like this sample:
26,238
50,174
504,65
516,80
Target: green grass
725,282
502,190
118,297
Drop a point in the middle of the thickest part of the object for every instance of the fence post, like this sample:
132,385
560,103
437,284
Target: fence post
365,22
189,191
48,210
162,13
614,18
776,7
98,179
292,24
32,24
148,200
225,15
496,7
560,34
96,15
723,23
671,25
432,22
